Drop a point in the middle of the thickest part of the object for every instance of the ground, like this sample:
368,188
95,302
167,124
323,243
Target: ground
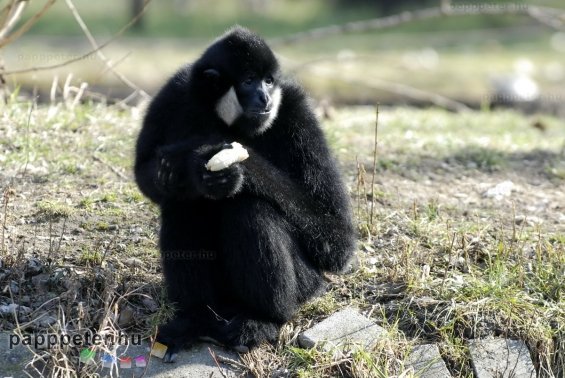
462,234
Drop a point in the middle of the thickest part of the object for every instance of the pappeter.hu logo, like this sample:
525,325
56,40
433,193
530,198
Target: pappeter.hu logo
201,254
78,339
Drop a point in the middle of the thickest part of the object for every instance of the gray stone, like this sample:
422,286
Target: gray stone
14,360
501,358
427,362
343,328
196,362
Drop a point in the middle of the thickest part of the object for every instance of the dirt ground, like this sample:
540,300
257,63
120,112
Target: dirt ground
468,213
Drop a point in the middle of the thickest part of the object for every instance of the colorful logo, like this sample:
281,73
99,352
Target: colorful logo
108,361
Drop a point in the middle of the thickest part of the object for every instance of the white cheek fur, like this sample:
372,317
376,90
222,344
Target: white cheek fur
228,107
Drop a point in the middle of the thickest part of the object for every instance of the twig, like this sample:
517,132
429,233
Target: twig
217,363
99,52
408,91
537,13
111,65
27,25
67,86
13,16
397,88
79,94
449,257
358,186
8,191
5,12
373,174
226,360
113,169
152,343
61,236
27,138
84,56
53,92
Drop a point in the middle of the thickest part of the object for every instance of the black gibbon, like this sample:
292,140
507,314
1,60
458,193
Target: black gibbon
242,247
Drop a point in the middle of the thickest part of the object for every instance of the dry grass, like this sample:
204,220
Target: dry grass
440,262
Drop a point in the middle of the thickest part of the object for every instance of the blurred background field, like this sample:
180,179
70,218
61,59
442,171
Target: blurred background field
460,57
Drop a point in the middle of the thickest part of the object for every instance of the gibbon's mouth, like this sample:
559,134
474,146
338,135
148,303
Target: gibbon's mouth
259,113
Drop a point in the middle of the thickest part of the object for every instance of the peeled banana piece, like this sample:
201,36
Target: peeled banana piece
227,157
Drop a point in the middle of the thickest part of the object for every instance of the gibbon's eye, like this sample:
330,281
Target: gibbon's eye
248,80
269,80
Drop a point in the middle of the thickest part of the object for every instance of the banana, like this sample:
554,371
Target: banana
227,157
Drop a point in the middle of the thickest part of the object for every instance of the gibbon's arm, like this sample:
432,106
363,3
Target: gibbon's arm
325,228
162,114
164,169
146,163
175,171
161,172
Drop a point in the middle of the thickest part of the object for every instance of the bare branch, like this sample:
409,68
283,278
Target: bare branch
13,13
84,56
112,168
6,40
99,52
6,11
384,85
409,92
547,16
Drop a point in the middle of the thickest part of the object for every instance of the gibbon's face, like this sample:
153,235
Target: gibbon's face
255,99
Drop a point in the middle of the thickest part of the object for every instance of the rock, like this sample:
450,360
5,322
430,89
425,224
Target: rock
25,300
196,362
10,308
345,327
41,282
504,189
136,230
352,265
12,288
427,362
150,304
530,220
281,373
133,262
45,320
126,317
14,358
501,358
34,266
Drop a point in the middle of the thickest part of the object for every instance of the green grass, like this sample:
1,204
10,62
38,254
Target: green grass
54,210
439,263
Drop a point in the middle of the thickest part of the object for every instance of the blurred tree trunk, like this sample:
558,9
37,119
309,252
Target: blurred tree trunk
136,8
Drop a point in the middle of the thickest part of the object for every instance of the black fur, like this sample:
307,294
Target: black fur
244,247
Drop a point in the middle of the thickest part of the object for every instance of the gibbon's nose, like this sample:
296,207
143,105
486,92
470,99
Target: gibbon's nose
265,101
263,98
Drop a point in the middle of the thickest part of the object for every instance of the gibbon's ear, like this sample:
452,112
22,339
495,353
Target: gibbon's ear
212,78
211,74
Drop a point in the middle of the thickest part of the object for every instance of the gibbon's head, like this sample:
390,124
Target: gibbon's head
245,74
